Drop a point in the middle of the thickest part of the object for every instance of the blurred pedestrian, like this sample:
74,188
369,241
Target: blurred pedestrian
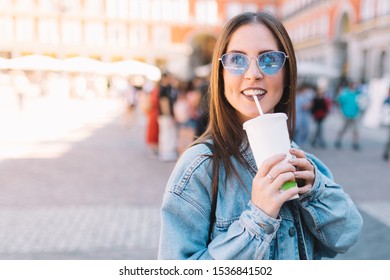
21,85
167,146
184,117
386,122
130,103
348,101
319,110
203,111
218,204
303,117
150,106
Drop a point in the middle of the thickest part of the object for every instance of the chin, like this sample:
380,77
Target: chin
247,117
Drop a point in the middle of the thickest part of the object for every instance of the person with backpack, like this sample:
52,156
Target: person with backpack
319,111
348,101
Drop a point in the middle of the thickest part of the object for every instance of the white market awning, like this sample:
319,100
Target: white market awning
35,62
315,69
79,64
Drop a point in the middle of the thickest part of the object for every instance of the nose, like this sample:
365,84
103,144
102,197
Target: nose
253,71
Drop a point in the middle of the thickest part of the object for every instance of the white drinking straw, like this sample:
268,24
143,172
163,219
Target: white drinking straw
258,105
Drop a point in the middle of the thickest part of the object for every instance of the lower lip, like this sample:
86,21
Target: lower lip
258,96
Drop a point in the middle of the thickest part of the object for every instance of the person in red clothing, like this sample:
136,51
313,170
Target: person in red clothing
152,129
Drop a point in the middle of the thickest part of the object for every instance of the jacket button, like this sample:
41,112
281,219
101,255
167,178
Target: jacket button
268,228
291,231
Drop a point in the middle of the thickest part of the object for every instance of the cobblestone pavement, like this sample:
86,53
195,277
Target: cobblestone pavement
76,184
365,176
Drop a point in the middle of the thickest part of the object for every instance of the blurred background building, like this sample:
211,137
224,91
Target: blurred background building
335,39
340,39
174,34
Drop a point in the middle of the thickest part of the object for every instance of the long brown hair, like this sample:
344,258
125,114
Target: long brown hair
225,128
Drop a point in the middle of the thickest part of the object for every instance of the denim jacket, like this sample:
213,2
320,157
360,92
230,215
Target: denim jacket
320,223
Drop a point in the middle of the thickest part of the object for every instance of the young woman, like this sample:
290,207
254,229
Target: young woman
218,204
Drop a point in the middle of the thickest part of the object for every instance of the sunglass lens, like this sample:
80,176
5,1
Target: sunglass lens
271,62
235,63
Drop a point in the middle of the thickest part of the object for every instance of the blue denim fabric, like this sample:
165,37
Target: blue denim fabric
325,220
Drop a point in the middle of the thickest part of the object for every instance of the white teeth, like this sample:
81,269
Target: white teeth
251,92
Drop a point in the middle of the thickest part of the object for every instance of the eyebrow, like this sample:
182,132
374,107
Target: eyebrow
259,53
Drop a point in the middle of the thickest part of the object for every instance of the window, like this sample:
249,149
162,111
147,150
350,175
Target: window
24,29
206,11
175,11
168,10
47,6
72,32
117,36
48,31
93,7
71,7
6,27
383,7
324,25
117,8
139,9
6,5
24,5
161,35
367,10
138,35
94,34
233,9
156,10
182,12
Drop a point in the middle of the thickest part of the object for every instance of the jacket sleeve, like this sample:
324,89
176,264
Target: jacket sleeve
184,233
185,221
329,213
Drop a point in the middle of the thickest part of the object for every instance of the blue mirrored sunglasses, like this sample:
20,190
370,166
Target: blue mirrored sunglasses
269,63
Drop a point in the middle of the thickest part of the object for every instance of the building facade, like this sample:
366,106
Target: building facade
342,38
352,37
178,34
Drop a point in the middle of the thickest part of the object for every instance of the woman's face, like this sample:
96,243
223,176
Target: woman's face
253,39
